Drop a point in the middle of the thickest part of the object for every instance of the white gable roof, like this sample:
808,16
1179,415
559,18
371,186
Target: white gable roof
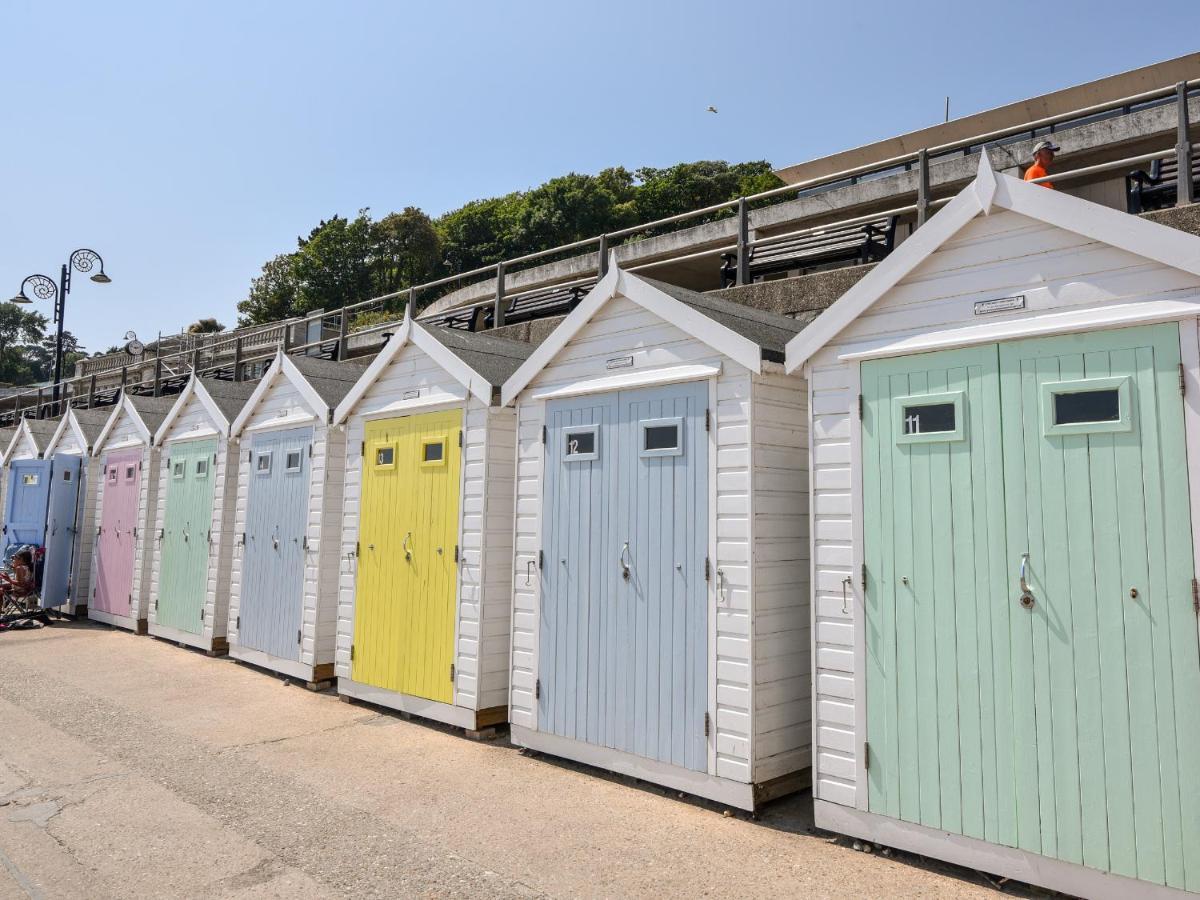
989,191
413,332
68,421
617,283
194,389
282,369
24,433
124,407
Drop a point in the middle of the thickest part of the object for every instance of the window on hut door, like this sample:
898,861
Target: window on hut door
404,612
1032,658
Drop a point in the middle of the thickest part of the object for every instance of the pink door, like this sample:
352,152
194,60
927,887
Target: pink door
121,486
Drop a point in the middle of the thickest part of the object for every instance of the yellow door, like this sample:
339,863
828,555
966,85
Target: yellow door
407,557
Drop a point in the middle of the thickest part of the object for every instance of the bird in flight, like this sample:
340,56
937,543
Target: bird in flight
711,109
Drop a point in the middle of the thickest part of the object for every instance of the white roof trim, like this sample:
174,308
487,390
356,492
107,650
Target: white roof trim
1136,235
194,388
617,283
642,378
418,335
406,407
281,367
281,424
68,421
125,407
22,428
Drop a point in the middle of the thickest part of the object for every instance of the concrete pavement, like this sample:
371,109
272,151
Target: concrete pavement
131,767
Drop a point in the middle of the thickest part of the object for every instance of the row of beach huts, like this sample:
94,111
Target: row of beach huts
930,551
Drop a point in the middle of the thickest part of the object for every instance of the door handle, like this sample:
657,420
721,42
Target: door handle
621,561
1026,594
407,549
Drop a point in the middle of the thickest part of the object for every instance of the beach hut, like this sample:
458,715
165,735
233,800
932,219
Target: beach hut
197,486
660,624
6,439
284,586
126,499
71,510
423,619
1005,447
28,483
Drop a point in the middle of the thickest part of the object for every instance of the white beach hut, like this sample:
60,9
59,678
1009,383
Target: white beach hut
284,589
1006,480
660,624
424,616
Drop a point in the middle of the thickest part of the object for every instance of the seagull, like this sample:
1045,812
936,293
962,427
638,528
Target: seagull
711,109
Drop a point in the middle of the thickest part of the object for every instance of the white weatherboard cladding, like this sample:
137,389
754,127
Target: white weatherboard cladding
125,435
1000,255
482,629
283,407
25,448
194,422
739,681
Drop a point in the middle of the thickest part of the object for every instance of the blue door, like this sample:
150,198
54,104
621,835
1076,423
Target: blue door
25,502
273,557
65,477
623,643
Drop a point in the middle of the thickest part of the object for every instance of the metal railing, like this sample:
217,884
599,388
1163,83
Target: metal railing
231,354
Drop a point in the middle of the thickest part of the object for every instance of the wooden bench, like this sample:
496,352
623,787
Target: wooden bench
1158,188
551,301
837,245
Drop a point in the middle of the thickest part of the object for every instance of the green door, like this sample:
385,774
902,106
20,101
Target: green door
183,573
1053,719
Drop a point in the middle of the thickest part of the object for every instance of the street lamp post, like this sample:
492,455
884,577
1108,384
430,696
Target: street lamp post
44,288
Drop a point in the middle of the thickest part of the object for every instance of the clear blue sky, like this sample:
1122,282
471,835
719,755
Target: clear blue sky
190,142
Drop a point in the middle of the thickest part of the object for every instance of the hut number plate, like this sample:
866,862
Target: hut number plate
619,362
1001,304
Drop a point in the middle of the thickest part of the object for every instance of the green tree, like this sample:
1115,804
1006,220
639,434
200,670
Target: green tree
406,249
273,294
480,233
20,331
686,186
40,356
333,264
205,326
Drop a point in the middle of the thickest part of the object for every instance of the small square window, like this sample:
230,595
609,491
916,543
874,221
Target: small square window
112,474
130,471
30,479
262,465
385,455
293,461
433,451
1086,406
580,443
928,418
178,469
661,437
202,468
66,474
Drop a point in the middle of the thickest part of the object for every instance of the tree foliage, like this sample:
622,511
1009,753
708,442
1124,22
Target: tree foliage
205,326
343,261
27,350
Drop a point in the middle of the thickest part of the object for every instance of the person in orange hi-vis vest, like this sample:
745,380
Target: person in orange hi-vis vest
1043,159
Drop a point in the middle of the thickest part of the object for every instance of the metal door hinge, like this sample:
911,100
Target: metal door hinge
298,638
707,569
249,456
451,671
456,552
357,545
93,593
238,623
707,725
156,603
362,449
201,615
460,437
541,560
860,407
1182,380
866,755
708,420
352,652
1196,596
310,451
537,689
543,435
864,576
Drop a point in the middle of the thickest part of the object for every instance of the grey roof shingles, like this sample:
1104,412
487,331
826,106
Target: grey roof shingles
152,410
92,422
494,358
770,331
229,396
330,379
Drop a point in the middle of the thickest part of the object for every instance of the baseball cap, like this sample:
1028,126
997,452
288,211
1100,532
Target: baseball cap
1044,145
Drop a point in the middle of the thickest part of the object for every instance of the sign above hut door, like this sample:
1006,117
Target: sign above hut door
66,473
271,601
121,483
622,641
1032,658
183,570
404,612
25,502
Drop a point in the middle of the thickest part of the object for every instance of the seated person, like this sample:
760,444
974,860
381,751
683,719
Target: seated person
19,585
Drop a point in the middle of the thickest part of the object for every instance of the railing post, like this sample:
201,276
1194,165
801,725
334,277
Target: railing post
922,186
498,313
124,376
743,243
286,343
343,331
237,360
602,262
158,376
38,414
1184,194
196,360
91,392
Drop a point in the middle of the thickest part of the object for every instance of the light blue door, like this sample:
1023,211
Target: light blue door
624,632
25,502
65,477
271,605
